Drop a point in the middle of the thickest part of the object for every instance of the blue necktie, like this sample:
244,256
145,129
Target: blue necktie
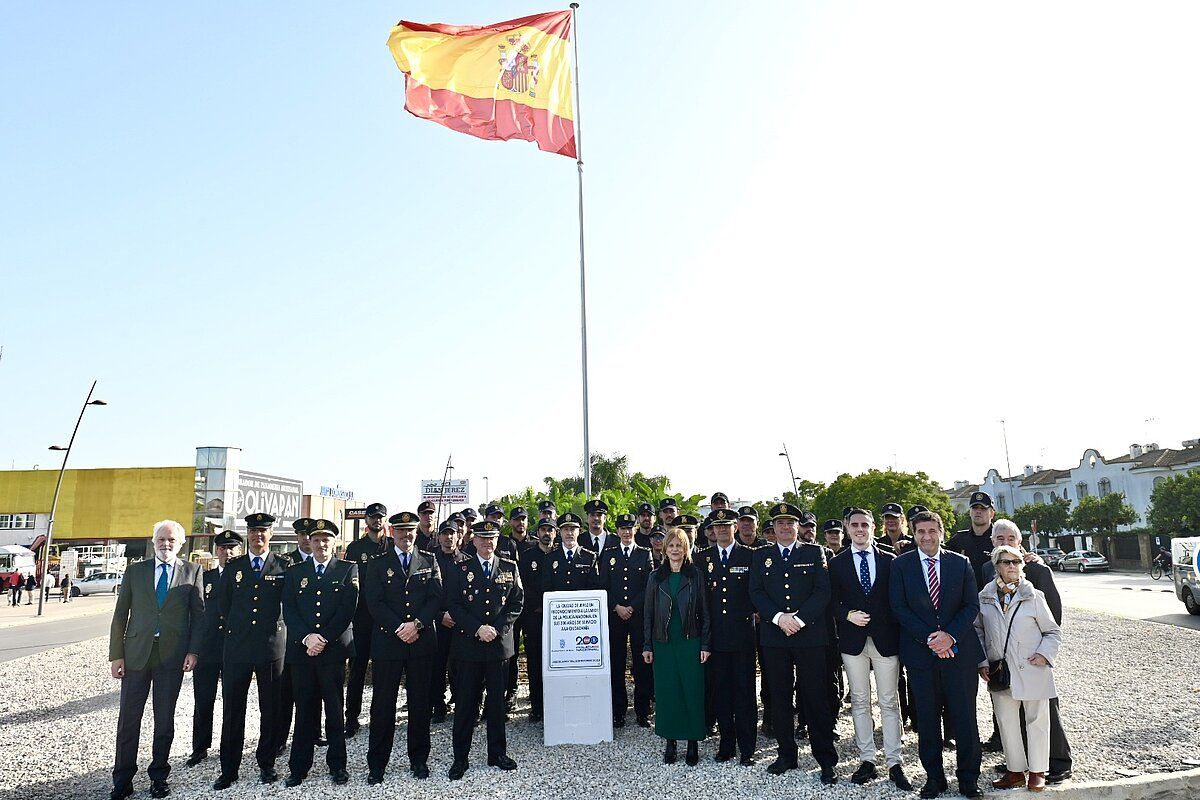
786,550
487,569
257,565
724,558
405,559
320,570
160,591
570,556
864,572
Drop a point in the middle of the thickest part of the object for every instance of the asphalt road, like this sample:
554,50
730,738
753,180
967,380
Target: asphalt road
25,640
1125,594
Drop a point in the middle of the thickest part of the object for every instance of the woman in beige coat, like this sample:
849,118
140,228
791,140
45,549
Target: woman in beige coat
1032,651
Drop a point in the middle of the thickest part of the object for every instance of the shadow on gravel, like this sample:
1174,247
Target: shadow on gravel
94,784
85,705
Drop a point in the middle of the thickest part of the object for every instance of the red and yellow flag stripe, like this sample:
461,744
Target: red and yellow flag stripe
511,80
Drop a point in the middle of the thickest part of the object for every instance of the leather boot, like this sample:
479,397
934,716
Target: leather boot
671,754
1037,782
693,754
1010,780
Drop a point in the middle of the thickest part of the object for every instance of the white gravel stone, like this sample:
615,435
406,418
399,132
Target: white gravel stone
1129,698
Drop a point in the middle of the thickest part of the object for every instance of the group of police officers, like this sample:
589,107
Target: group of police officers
449,607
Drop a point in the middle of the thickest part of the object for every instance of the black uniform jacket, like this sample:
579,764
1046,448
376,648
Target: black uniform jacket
560,576
690,604
396,597
323,605
529,564
800,585
475,601
729,597
848,595
252,609
359,552
212,643
589,542
625,578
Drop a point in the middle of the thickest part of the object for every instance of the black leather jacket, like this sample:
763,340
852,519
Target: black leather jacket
692,607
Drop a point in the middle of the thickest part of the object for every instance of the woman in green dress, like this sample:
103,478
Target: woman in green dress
678,641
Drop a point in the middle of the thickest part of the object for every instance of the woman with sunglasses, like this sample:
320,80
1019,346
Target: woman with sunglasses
1019,635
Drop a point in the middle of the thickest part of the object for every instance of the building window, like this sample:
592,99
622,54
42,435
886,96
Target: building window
1080,490
1038,498
10,522
1000,502
1104,487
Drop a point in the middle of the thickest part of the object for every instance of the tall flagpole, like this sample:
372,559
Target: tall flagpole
587,453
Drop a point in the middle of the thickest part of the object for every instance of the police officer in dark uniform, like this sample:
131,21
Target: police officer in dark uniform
518,525
570,566
596,538
747,528
404,593
227,546
319,599
360,551
789,586
976,542
448,556
485,598
808,535
532,568
624,570
426,535
252,612
547,510
287,700
505,546
894,537
726,569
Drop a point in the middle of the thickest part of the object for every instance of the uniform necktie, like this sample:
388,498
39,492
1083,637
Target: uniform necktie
320,570
627,552
786,550
935,587
864,572
570,556
160,591
724,558
405,559
487,569
257,565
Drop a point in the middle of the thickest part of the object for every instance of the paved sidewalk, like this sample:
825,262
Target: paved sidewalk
55,609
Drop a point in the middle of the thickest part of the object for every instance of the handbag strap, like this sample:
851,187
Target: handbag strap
1011,620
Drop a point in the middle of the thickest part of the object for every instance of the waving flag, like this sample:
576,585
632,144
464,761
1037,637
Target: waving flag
511,80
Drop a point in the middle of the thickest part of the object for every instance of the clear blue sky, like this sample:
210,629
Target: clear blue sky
224,213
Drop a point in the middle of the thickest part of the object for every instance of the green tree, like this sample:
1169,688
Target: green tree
873,488
1102,515
1175,504
1052,518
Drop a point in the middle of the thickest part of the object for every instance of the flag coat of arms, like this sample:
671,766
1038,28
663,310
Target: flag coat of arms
510,80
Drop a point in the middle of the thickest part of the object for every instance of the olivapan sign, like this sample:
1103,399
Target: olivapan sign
258,493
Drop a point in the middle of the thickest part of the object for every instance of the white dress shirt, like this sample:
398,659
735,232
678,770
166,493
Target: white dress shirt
937,567
870,551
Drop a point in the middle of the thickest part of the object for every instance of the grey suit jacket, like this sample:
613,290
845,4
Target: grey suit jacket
137,616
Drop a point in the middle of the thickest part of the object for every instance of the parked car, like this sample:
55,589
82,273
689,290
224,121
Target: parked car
97,583
1082,561
1051,555
1187,582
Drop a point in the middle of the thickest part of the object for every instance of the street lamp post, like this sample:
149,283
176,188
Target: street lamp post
791,472
66,451
487,492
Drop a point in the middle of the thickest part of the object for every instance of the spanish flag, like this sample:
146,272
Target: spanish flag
511,80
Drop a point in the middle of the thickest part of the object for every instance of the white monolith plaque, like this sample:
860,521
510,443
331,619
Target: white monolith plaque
576,665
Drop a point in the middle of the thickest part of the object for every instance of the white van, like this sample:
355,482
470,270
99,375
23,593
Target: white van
1183,570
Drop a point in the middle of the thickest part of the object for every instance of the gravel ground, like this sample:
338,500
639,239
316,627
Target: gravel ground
1128,704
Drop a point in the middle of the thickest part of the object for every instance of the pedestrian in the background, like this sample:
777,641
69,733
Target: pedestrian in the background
30,588
677,642
15,582
64,587
49,584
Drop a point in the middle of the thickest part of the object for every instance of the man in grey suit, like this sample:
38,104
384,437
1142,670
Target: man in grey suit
155,636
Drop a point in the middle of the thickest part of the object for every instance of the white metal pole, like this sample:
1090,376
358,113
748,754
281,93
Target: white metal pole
587,452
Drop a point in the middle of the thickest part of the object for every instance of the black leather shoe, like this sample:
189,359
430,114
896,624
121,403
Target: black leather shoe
352,728
865,773
933,788
971,790
1053,778
643,722
267,776
503,762
224,782
746,761
159,789
693,754
671,753
618,722
722,756
121,792
196,757
340,777
293,780
457,770
896,775
828,776
374,778
420,771
780,766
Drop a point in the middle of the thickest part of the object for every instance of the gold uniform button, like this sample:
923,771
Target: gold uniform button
318,624
786,586
318,613
787,597
253,622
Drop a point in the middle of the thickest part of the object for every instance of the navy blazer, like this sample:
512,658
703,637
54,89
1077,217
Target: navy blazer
848,595
918,619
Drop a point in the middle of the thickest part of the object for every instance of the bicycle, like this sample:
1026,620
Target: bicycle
1159,568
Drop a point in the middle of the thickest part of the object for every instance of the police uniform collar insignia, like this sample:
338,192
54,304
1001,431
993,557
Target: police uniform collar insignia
767,563
711,566
237,578
470,577
363,557
303,582
612,562
533,565
391,573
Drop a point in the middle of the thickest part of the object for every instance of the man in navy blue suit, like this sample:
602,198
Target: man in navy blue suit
935,599
868,640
